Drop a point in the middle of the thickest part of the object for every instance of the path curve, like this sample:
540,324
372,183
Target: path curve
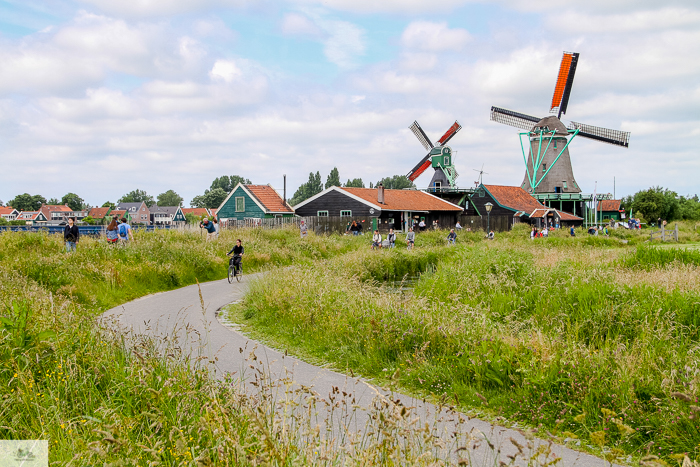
178,313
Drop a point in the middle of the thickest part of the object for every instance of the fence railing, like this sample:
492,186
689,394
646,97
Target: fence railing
664,234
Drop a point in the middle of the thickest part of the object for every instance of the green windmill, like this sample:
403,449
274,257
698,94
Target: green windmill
439,157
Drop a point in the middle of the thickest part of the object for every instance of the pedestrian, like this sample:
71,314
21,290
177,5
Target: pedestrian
209,227
347,228
303,230
658,223
572,231
111,233
421,225
545,232
354,229
451,237
391,238
410,239
125,231
376,240
71,235
359,228
491,235
216,227
458,226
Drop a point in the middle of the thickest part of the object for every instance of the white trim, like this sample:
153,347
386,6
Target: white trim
318,213
346,210
440,199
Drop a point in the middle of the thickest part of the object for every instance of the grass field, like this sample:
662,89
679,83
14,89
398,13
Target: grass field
588,338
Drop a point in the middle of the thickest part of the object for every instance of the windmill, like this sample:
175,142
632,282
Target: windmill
439,156
481,176
548,164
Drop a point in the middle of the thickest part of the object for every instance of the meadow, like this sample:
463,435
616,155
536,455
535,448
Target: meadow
592,340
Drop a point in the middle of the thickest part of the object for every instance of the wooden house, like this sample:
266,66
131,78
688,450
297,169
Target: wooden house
8,213
100,214
32,217
248,203
165,215
383,208
519,205
120,214
610,209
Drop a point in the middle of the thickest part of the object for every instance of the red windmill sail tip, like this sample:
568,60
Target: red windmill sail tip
450,133
417,173
565,69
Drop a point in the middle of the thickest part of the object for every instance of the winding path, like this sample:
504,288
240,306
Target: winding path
179,314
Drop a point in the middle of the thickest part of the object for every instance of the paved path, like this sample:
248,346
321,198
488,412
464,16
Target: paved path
178,315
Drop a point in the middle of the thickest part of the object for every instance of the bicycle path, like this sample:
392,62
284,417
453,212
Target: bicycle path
177,316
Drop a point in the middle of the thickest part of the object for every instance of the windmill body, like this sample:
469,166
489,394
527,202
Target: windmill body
548,163
439,157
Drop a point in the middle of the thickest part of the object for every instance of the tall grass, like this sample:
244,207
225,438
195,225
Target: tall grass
539,332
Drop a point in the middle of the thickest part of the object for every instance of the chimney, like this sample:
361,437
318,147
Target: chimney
380,193
284,192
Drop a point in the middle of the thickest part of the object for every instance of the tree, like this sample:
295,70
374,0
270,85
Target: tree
228,182
397,182
169,198
89,220
53,201
109,204
27,202
137,196
690,208
75,202
333,178
654,203
313,186
211,199
355,183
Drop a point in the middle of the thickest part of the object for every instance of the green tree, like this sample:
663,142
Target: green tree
228,182
169,198
689,208
137,196
312,187
109,204
211,199
355,183
654,203
89,220
333,178
27,202
53,201
397,182
75,202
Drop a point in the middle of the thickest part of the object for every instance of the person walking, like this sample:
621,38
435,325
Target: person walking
391,238
421,225
572,231
303,230
111,233
125,231
410,239
491,235
71,235
451,237
533,233
458,226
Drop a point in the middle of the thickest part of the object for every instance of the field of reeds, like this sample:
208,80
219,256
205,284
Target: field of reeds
594,340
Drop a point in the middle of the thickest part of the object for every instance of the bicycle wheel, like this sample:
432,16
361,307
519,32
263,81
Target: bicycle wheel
239,275
231,273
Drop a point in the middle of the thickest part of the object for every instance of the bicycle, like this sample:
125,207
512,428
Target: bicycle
233,271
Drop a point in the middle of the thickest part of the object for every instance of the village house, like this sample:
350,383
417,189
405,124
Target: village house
139,212
118,214
197,212
518,205
381,208
100,214
8,213
58,214
249,204
165,215
32,217
610,210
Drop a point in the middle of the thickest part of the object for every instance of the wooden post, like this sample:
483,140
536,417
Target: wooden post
676,232
663,233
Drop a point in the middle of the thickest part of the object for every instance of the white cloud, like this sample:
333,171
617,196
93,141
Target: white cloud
154,8
434,37
225,70
388,6
295,24
345,43
575,22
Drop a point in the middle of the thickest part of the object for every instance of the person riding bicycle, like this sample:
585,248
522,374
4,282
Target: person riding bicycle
451,237
237,255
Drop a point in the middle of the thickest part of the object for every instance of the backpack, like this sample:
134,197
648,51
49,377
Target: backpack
122,230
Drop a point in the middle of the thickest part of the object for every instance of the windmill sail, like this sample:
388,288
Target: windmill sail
422,137
616,137
562,90
421,167
508,117
449,133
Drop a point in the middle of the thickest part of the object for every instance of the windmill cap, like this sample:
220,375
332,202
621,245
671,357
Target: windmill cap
553,123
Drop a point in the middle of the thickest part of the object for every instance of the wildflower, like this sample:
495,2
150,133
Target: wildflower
598,437
580,417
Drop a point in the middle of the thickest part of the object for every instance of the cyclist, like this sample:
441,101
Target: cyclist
237,256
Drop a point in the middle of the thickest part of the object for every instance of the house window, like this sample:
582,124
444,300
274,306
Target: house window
240,204
544,167
564,182
555,143
322,213
391,220
345,213
481,193
438,185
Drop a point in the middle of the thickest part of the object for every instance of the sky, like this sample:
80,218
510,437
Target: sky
99,97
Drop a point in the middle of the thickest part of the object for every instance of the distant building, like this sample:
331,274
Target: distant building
58,214
165,215
248,203
139,212
8,213
610,209
32,217
100,214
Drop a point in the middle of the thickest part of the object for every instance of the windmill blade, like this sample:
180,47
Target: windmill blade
422,137
565,80
616,137
449,133
421,167
518,120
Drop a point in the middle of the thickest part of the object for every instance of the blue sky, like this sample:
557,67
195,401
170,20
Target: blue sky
101,97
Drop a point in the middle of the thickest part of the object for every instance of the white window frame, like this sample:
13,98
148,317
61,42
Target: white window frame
242,199
348,213
321,213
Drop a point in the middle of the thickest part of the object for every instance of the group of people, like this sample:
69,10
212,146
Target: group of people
118,230
354,228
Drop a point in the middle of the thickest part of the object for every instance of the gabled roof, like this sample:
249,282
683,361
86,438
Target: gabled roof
539,213
609,205
196,211
514,197
117,213
271,201
404,200
98,213
170,210
566,216
55,208
128,206
7,210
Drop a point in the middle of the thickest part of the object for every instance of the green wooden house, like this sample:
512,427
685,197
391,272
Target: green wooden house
248,203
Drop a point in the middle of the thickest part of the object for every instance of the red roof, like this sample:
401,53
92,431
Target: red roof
514,197
98,213
565,216
117,213
609,205
268,197
196,211
539,213
404,200
55,207
6,210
